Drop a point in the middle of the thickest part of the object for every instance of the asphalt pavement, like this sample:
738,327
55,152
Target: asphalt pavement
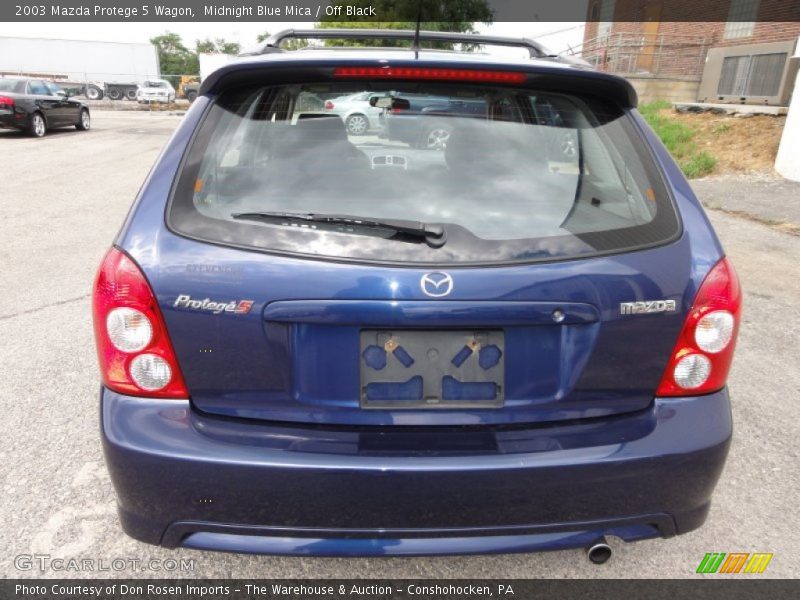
773,201
62,199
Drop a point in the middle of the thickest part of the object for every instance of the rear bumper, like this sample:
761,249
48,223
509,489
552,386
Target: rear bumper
185,479
15,120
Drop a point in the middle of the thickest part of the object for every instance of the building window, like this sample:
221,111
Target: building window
741,19
752,75
606,18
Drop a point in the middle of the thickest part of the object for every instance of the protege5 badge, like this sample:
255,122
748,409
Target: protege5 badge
237,307
647,307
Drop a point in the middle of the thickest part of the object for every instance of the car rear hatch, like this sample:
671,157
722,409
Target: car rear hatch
492,280
303,352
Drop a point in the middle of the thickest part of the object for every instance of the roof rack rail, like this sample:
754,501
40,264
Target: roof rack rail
273,43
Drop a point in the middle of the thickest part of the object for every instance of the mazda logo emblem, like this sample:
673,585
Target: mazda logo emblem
436,284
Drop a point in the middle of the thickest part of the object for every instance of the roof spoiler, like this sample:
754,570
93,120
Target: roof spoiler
273,43
581,81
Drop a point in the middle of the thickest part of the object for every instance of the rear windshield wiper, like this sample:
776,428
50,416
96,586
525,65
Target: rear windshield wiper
432,234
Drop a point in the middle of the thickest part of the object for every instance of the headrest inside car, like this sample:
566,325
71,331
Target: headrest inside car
321,127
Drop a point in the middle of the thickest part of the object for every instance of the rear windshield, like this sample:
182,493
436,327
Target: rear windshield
420,173
11,85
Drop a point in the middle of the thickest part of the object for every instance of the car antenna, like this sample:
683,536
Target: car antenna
415,43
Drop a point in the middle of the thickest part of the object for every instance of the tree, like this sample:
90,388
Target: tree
218,45
436,15
205,46
439,15
175,58
228,47
287,45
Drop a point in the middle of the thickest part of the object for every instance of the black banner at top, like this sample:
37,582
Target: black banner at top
398,10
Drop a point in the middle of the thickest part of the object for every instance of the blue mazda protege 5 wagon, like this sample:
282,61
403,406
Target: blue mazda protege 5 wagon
499,322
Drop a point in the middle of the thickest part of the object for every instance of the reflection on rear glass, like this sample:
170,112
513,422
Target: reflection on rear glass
493,164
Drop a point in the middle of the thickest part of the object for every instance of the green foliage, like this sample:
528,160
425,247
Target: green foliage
651,109
445,12
287,45
228,47
699,164
169,42
678,139
437,15
174,57
205,46
218,45
721,128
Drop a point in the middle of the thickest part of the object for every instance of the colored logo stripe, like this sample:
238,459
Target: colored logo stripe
711,562
736,562
758,562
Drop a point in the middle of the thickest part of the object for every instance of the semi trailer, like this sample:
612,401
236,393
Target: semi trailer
94,69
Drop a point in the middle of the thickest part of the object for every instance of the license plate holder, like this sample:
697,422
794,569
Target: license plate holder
424,369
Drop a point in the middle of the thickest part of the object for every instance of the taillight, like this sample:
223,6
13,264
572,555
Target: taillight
702,356
329,105
133,347
6,102
415,73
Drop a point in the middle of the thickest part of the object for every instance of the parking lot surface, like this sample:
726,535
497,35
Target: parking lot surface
63,199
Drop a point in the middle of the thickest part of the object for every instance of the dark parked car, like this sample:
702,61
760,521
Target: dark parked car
36,105
317,343
402,120
190,91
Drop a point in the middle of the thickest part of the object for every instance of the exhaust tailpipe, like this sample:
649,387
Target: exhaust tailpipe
599,551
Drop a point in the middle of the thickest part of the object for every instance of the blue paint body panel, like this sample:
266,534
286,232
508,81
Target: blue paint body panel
272,452
185,478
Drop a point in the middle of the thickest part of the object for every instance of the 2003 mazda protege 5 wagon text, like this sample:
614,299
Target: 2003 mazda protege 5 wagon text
513,338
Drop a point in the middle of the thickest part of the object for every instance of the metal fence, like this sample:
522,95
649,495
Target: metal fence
109,88
647,54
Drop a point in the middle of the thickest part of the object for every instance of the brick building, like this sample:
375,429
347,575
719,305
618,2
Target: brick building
739,49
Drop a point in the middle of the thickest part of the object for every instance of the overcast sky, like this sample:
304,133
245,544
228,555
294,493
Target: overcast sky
556,36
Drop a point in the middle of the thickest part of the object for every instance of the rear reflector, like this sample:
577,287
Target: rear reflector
420,73
133,347
702,356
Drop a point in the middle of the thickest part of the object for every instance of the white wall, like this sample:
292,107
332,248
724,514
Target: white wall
787,163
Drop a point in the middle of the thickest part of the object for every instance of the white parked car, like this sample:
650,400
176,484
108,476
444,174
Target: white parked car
358,116
155,90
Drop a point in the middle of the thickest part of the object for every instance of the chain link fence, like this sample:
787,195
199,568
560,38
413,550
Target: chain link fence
662,55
